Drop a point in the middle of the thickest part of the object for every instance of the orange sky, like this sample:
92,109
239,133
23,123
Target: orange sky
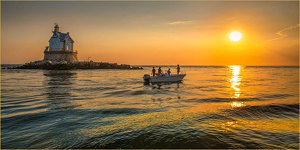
153,33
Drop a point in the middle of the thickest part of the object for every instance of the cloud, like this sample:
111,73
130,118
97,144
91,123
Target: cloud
178,22
281,32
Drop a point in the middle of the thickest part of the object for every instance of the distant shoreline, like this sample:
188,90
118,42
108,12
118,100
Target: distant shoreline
69,66
259,66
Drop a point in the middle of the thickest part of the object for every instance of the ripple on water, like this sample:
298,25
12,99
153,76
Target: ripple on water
266,111
114,109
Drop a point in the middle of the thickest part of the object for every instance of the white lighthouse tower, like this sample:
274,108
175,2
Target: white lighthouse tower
60,48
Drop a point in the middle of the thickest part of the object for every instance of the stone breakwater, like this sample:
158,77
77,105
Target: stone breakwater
75,65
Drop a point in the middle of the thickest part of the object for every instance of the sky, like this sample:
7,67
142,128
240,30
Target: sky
155,33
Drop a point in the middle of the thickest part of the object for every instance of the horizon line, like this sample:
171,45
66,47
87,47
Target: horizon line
200,65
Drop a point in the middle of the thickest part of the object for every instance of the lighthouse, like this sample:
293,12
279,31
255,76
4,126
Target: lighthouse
60,49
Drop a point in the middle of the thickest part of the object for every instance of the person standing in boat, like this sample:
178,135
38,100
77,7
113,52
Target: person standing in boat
153,71
178,69
169,71
159,71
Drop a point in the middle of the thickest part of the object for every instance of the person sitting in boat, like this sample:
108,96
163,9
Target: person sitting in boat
178,69
169,71
159,71
153,71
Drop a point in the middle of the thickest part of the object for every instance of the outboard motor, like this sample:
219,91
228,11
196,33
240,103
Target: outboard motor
147,78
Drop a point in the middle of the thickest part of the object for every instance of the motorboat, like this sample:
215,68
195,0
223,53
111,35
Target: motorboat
159,78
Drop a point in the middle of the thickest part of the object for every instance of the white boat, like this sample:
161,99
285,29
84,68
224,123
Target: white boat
163,78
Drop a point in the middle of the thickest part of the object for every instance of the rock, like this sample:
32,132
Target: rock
76,65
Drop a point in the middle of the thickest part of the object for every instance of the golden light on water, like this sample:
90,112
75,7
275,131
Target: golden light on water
235,80
237,104
228,126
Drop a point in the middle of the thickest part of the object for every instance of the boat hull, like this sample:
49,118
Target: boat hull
164,78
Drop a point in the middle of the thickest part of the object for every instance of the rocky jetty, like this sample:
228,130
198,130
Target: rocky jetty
74,65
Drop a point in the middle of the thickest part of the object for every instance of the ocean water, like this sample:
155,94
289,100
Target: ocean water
214,107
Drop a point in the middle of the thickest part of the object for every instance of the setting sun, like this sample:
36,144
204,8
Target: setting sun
235,36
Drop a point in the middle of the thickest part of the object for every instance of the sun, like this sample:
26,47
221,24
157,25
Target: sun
235,36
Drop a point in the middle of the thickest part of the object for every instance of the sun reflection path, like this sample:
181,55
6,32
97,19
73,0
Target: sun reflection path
237,104
235,80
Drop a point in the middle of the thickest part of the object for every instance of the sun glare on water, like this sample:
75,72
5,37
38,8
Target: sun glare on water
235,36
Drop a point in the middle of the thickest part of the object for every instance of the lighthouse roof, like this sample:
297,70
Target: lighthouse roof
62,36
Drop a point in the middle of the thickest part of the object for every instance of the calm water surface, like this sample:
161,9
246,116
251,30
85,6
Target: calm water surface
215,107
